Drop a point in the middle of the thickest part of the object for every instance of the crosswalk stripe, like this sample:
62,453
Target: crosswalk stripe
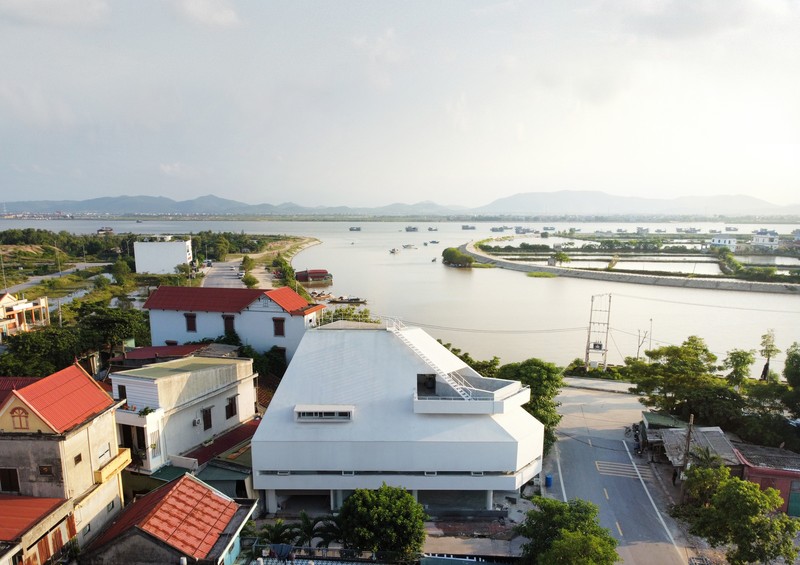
623,470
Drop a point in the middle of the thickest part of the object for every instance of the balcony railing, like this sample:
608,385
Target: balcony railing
116,465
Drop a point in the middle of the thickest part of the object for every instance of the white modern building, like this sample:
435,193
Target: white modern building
161,257
768,240
174,406
261,318
365,404
724,241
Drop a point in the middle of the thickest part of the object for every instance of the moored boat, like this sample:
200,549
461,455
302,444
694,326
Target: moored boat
314,276
347,300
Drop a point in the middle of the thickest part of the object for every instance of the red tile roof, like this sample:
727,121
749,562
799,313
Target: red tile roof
186,514
7,384
18,514
224,442
65,399
214,299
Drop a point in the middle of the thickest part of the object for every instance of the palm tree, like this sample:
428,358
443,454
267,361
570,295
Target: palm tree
279,532
305,530
330,531
705,458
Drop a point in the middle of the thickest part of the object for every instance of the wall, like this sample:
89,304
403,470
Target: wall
161,257
26,452
131,548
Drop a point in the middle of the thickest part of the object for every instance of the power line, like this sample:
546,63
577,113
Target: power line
724,307
488,331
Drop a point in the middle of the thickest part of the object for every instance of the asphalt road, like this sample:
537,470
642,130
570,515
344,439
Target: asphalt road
594,461
223,275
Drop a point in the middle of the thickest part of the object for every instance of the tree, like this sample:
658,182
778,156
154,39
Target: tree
121,271
278,532
41,352
671,373
768,351
738,362
306,529
248,264
580,548
545,380
791,370
561,257
553,525
747,518
250,281
485,368
453,256
103,327
387,519
330,531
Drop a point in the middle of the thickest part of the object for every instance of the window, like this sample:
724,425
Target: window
19,417
326,415
122,392
278,326
9,482
110,506
191,322
227,323
206,418
46,470
78,458
87,529
230,408
141,442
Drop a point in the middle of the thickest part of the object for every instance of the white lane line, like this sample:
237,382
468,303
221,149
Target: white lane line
647,492
560,475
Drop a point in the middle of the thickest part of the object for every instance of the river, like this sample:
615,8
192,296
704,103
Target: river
490,312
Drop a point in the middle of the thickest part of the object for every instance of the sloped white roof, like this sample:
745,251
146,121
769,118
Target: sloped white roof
375,372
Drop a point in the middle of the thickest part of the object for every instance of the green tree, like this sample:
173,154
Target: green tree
387,519
747,519
738,362
561,257
278,532
453,256
545,380
485,368
306,529
768,351
791,370
121,271
248,264
103,327
42,352
671,373
250,281
581,548
330,531
553,524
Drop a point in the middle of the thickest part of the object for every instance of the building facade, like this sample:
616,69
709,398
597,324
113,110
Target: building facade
21,315
363,405
261,318
161,257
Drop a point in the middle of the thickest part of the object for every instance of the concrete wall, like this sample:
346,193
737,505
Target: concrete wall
161,257
685,282
132,548
25,452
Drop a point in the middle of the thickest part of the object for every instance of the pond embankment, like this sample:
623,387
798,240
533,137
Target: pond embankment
654,280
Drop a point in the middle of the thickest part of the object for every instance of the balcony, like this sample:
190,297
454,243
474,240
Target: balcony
113,467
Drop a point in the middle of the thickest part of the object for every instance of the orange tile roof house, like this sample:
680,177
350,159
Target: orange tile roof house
261,318
58,441
184,518
34,529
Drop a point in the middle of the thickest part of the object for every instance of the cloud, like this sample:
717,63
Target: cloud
178,170
56,12
213,13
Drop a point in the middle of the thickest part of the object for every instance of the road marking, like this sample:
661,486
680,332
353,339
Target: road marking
560,476
629,470
619,530
590,442
652,502
605,492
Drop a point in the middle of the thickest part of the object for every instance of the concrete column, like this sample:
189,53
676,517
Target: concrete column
272,501
489,499
415,494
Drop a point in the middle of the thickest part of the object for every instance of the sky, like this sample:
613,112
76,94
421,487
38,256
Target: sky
365,103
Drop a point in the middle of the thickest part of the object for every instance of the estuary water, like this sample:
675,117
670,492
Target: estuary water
489,312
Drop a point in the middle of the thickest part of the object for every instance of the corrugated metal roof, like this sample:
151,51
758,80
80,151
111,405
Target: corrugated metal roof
18,514
155,351
186,514
7,384
66,398
288,299
712,438
202,299
225,442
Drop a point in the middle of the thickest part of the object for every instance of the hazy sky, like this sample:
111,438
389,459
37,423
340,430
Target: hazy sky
367,103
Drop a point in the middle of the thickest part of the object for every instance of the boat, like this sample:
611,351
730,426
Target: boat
434,241
731,228
496,229
355,228
409,246
138,221
347,300
661,230
433,260
105,230
394,250
314,276
549,228
467,227
433,229
412,228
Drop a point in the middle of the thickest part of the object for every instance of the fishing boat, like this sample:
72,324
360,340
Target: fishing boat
409,246
347,300
433,229
412,228
105,230
467,227
355,228
394,250
434,241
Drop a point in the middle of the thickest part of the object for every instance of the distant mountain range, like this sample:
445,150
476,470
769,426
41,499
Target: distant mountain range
529,204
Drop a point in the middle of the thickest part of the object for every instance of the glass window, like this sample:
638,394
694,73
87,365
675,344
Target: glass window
9,481
230,408
278,326
191,322
206,418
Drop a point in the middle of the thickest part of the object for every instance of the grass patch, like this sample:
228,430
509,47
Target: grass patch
477,265
541,275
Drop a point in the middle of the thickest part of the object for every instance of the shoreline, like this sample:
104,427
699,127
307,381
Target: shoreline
653,280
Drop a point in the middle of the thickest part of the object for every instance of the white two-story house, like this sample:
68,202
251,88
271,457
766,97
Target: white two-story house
261,318
174,406
728,241
365,404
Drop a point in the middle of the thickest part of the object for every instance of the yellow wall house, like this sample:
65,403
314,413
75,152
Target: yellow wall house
58,440
21,315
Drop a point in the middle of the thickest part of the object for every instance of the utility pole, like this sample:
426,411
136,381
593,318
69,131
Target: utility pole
3,266
686,455
597,335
